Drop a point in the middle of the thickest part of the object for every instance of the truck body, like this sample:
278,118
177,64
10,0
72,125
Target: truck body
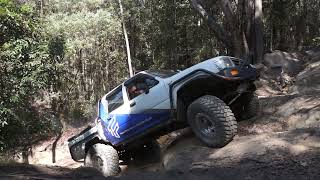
125,122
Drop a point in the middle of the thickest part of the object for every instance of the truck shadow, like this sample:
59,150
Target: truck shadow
155,159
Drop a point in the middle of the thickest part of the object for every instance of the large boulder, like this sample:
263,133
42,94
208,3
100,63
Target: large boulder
313,54
278,61
308,81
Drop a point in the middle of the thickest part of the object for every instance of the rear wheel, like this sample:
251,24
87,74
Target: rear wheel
103,158
212,121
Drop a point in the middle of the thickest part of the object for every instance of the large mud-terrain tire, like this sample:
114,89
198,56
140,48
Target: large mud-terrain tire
251,108
104,158
212,121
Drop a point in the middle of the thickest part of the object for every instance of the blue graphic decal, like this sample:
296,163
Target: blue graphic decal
113,127
120,127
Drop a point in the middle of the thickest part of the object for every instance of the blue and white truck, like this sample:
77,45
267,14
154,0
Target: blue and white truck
209,97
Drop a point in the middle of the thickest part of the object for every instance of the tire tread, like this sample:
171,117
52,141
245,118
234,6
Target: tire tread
212,105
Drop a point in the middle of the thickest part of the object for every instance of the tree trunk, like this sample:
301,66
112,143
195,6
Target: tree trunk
258,32
217,29
301,26
233,40
227,11
238,43
254,29
126,39
271,26
41,7
236,39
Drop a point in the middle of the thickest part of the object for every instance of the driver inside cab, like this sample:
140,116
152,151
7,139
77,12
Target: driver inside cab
135,89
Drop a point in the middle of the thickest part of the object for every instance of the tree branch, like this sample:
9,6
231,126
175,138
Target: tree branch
227,11
218,30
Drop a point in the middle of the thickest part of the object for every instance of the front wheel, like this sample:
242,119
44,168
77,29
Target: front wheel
103,158
212,121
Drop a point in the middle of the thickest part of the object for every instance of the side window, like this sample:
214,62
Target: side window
115,100
140,85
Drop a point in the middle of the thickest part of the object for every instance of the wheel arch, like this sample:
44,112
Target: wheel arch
79,149
198,83
181,83
94,141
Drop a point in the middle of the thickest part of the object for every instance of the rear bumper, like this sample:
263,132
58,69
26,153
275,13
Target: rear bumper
77,144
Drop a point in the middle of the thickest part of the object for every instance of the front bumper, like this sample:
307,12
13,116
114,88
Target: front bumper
77,144
247,72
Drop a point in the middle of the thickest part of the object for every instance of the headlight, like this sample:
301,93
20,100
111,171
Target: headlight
224,62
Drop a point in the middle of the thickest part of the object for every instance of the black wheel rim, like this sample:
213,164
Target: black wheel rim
205,125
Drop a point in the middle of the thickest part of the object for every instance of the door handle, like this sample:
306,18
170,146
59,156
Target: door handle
132,104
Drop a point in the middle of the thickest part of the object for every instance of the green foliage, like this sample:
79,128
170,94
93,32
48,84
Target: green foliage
168,35
24,70
291,25
16,21
92,54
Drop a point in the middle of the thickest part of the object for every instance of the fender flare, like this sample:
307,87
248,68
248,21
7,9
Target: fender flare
78,145
196,74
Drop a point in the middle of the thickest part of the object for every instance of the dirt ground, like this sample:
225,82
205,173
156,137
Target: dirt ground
283,142
289,154
285,155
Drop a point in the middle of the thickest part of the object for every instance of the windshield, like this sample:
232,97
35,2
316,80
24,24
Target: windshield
162,73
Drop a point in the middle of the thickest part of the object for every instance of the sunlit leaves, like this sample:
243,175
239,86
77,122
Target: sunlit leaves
25,69
93,55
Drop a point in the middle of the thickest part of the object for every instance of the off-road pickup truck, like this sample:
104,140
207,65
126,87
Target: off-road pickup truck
209,97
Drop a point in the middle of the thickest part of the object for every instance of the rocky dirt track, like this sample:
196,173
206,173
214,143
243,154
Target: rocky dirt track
285,155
